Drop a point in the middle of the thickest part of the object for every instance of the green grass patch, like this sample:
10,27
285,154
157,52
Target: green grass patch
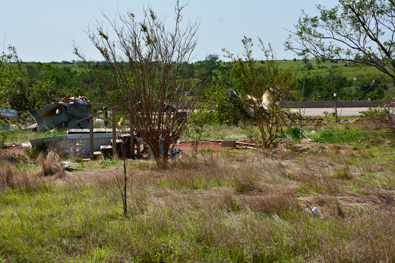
20,136
348,135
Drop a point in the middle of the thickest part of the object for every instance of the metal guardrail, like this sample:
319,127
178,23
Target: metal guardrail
315,104
339,104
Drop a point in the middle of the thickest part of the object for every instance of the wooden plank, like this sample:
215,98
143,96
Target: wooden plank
138,148
114,131
91,143
245,143
131,141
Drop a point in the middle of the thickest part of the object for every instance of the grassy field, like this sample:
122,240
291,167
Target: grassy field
318,69
216,206
322,68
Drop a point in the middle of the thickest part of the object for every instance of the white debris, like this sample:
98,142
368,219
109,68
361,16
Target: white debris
26,145
315,210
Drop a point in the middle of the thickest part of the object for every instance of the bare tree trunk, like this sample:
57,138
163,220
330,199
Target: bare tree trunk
145,78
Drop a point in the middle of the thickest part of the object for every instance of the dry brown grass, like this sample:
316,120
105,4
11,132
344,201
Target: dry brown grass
273,203
13,178
7,175
51,164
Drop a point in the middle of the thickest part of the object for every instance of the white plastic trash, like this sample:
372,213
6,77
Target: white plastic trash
315,210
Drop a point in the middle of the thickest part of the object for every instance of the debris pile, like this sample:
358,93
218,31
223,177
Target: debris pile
64,113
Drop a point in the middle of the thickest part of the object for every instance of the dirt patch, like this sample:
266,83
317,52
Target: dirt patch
12,150
13,155
187,146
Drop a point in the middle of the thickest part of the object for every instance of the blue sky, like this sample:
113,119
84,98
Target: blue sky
45,30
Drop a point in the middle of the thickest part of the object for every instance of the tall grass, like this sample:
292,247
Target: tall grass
226,206
348,136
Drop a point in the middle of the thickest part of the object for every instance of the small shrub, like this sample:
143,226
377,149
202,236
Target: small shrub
50,164
294,132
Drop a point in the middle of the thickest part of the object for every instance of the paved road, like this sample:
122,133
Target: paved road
354,111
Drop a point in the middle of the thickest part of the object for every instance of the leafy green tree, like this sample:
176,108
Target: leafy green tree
30,87
358,31
255,79
228,109
322,87
368,87
10,77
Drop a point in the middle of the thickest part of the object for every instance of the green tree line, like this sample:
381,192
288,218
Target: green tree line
30,86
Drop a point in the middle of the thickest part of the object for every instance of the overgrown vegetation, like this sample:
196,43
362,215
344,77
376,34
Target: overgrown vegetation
145,81
328,198
227,205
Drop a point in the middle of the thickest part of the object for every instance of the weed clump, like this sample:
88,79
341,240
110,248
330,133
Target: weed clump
51,164
13,178
6,175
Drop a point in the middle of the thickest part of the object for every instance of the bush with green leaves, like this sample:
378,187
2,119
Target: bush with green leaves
386,111
197,122
255,80
228,110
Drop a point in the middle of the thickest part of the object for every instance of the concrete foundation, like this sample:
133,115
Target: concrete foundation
73,144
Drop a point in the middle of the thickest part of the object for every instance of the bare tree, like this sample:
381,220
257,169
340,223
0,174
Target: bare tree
145,76
356,31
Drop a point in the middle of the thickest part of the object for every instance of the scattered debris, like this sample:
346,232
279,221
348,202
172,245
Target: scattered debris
265,102
32,127
175,152
8,113
355,120
65,113
315,120
68,168
314,210
67,165
4,113
26,145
